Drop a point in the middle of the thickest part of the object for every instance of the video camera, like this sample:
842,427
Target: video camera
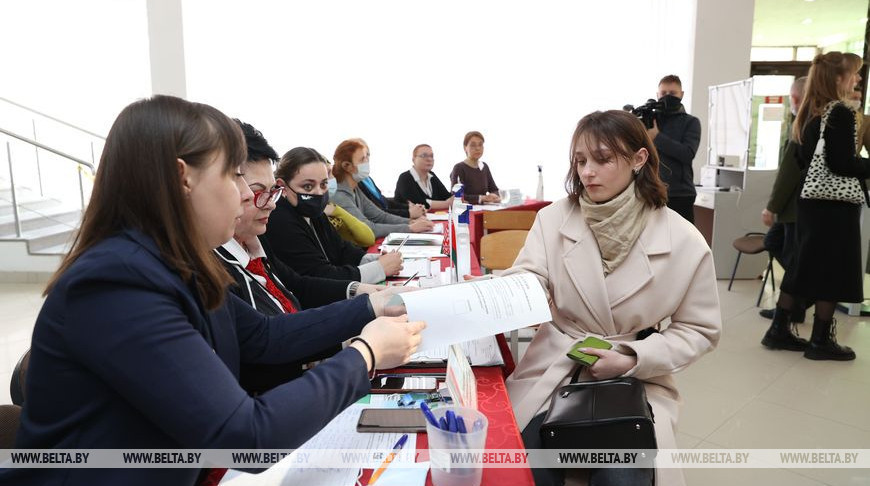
652,109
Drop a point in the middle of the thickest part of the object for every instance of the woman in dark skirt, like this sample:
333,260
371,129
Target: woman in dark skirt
828,260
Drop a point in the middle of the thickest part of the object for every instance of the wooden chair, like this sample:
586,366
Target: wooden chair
504,236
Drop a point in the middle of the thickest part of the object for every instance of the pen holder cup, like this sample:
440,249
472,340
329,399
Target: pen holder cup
455,458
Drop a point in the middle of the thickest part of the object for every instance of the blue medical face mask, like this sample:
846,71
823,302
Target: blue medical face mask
362,172
332,186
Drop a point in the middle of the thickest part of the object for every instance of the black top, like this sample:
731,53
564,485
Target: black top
325,254
676,143
407,190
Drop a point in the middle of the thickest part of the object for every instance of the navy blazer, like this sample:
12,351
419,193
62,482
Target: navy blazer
124,356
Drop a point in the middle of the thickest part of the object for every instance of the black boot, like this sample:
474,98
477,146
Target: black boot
823,343
780,334
767,313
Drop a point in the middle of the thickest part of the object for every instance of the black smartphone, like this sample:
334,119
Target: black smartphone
407,382
391,420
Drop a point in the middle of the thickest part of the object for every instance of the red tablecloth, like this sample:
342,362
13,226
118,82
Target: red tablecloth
503,433
475,222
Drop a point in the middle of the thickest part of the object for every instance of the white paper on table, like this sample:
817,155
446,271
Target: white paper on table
481,352
340,433
437,216
437,228
394,240
460,379
410,266
405,475
472,310
415,251
487,207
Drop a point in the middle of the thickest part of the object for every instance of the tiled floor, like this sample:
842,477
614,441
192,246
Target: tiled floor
740,396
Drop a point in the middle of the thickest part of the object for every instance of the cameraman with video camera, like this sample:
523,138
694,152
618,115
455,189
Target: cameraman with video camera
676,135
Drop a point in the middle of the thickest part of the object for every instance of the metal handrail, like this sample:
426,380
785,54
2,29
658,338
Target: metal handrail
102,137
46,147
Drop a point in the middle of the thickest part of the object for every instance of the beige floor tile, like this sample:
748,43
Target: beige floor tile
705,409
763,425
686,441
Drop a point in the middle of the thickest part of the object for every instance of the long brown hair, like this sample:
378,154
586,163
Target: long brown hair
822,87
138,186
623,134
344,153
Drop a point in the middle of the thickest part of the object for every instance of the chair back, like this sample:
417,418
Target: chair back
499,250
10,418
508,220
16,386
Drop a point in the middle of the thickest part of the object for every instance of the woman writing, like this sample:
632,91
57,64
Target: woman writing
474,174
138,344
420,185
615,261
300,234
827,266
351,167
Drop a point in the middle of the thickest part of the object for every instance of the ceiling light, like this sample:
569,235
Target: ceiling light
807,21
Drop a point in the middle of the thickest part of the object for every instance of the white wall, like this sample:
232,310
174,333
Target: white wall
399,73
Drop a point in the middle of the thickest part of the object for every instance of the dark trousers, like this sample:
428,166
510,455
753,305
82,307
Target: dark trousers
597,477
684,206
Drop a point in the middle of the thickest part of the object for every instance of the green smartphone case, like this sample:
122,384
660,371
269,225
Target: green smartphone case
590,342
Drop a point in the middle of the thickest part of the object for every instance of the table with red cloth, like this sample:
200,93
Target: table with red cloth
493,401
475,221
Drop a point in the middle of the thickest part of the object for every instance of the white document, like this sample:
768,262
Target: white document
437,216
411,266
437,228
472,310
414,239
481,352
340,433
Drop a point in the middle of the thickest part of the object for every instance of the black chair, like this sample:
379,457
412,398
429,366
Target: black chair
16,386
753,244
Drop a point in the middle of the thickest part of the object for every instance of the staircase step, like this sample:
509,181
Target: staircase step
31,219
41,238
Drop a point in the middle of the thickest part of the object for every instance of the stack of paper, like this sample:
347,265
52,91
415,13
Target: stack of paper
480,352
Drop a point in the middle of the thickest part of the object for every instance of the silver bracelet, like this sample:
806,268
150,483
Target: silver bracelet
352,289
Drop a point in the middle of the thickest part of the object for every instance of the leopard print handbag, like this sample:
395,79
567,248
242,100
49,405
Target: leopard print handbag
821,183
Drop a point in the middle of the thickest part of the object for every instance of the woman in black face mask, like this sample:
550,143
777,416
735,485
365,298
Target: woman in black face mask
301,235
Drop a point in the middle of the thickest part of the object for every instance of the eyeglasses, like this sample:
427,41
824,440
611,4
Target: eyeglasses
263,198
426,156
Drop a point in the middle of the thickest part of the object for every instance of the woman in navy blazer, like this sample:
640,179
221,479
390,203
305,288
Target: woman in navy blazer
138,344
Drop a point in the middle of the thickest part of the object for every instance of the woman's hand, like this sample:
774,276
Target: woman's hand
767,218
365,288
490,198
391,262
610,363
381,301
393,340
328,210
416,210
420,225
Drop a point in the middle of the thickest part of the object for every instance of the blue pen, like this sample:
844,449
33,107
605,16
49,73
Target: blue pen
460,425
443,424
451,421
427,412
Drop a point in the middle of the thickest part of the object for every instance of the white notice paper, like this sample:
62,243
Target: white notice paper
471,310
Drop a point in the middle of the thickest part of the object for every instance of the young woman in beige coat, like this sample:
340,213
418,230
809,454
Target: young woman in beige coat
614,260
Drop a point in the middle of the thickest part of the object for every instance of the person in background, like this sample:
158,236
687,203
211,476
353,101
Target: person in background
373,192
676,135
828,258
614,263
138,343
420,185
256,276
479,186
780,213
300,234
348,227
351,167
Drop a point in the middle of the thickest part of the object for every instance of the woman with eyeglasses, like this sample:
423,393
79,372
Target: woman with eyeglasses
138,344
264,282
478,185
420,185
301,235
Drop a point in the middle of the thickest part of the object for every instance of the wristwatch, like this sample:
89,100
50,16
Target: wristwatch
352,289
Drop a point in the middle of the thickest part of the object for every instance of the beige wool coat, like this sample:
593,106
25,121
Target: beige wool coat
667,276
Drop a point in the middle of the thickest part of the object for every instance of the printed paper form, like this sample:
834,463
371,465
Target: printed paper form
340,433
472,310
481,352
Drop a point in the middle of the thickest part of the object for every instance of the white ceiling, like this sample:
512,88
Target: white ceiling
781,22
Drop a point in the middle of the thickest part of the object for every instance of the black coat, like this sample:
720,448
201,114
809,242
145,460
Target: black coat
828,258
676,143
326,254
407,190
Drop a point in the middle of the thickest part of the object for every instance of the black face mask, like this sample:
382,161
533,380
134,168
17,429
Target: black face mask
671,102
311,205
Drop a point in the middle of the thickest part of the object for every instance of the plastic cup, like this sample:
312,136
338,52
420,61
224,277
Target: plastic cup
452,454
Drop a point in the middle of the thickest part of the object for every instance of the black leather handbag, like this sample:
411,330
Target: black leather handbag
607,414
